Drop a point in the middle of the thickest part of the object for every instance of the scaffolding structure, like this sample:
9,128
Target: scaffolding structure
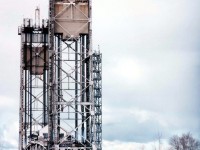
60,89
97,78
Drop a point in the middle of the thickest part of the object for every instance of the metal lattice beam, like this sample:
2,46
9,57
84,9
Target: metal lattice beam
60,93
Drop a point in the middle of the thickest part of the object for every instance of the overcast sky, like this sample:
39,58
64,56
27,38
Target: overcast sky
151,68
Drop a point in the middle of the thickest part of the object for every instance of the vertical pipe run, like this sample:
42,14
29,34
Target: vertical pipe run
31,84
44,80
87,91
76,90
25,111
37,17
59,80
28,107
82,83
21,137
51,96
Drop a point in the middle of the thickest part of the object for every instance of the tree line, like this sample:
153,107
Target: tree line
184,142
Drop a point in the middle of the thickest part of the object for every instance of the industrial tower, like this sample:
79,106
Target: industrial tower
60,80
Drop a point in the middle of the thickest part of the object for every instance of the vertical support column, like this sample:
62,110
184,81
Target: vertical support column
31,65
59,78
76,90
28,100
21,139
52,106
88,125
44,80
82,48
25,87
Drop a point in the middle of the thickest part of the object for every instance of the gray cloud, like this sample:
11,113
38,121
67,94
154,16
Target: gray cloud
161,40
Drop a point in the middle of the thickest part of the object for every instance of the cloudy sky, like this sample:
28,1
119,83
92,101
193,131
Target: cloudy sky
151,69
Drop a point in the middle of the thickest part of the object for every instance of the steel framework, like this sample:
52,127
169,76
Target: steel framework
60,85
33,86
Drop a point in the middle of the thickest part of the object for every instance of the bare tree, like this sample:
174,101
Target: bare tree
174,143
185,142
158,140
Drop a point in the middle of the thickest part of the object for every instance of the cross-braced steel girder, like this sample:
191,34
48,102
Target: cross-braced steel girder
60,104
34,84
